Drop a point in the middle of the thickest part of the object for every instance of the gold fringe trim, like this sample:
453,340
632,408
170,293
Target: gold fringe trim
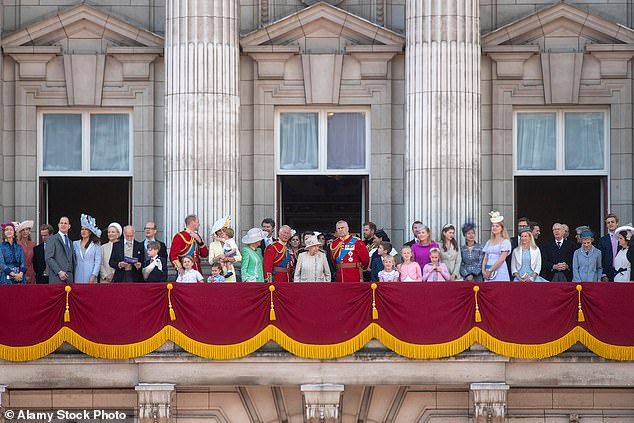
317,351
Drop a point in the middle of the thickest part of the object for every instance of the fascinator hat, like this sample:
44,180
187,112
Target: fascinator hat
496,217
23,225
89,223
468,227
629,229
221,223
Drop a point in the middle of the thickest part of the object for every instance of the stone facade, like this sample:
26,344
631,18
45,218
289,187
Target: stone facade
297,55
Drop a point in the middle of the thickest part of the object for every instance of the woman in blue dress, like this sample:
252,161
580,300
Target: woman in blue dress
495,251
12,266
87,252
526,260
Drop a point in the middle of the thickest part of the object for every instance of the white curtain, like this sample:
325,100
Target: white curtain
110,142
584,141
299,141
62,142
346,140
536,141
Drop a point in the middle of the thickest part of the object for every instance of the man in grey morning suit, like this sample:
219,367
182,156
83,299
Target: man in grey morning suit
60,258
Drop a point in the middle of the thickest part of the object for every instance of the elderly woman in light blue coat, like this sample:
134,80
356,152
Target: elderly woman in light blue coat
586,261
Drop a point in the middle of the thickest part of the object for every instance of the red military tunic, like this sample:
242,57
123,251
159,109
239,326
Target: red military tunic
350,257
279,263
185,245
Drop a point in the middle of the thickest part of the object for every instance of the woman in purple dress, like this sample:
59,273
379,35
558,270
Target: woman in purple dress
423,244
495,251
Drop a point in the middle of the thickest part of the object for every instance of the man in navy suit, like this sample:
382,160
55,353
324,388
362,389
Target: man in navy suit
123,253
609,246
557,257
59,255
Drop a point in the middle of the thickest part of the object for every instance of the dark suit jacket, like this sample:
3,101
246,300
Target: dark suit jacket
514,244
162,251
59,257
263,245
120,275
376,265
39,263
157,275
607,259
552,255
410,243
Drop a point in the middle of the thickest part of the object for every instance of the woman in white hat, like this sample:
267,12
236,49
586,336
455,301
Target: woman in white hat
216,248
252,270
106,273
312,265
624,257
495,251
23,230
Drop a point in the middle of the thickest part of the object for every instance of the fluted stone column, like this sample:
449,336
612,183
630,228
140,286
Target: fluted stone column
201,119
442,173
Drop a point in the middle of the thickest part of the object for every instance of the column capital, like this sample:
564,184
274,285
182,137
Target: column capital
155,400
489,401
322,402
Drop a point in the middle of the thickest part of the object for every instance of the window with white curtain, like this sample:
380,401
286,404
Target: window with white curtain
571,141
85,142
324,141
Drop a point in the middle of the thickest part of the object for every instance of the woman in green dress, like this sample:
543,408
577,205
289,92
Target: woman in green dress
252,270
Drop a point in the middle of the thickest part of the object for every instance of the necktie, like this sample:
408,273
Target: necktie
66,241
558,244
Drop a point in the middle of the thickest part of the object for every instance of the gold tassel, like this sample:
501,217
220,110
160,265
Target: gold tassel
375,312
169,301
67,288
272,311
478,316
580,316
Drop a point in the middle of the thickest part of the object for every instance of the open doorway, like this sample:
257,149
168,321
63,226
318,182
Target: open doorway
317,202
573,200
106,199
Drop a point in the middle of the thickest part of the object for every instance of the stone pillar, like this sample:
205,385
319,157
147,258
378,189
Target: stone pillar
442,55
321,402
201,118
3,402
155,401
489,402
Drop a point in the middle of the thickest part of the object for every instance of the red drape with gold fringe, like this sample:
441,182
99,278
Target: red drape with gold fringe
320,320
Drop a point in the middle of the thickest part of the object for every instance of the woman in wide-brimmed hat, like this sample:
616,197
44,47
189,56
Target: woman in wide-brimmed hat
23,231
106,273
625,256
252,261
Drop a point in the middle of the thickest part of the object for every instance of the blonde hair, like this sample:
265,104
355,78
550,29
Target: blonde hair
389,258
532,245
504,234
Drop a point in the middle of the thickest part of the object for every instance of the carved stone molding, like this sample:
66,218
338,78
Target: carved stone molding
562,77
32,60
322,87
155,401
614,58
509,60
321,402
135,60
489,401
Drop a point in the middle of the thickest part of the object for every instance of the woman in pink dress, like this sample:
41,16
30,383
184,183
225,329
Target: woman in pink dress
23,230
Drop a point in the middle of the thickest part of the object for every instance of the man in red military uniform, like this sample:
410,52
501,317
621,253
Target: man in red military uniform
279,262
187,243
349,254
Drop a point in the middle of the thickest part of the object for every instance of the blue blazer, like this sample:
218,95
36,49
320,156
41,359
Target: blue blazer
607,260
376,265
